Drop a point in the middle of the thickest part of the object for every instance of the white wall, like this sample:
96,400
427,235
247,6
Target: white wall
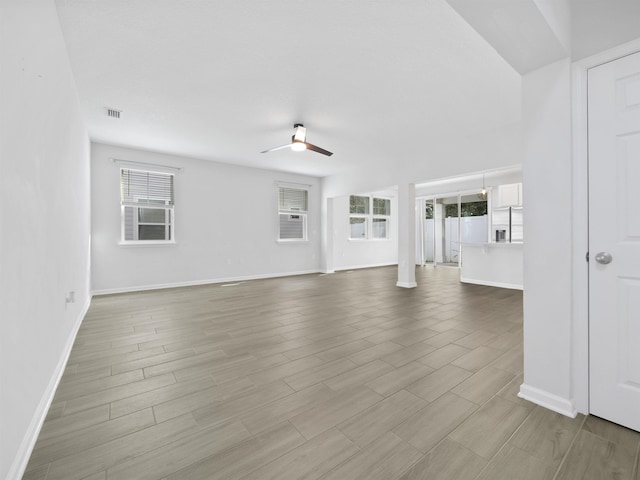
226,226
44,221
547,177
348,253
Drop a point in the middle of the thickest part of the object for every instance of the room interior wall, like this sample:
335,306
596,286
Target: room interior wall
547,178
348,253
44,221
226,226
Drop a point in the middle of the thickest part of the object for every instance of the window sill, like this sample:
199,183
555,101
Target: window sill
291,241
148,243
369,239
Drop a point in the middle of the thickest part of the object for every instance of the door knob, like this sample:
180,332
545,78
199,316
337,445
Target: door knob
604,258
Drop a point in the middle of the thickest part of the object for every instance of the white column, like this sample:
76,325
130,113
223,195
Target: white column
328,240
406,235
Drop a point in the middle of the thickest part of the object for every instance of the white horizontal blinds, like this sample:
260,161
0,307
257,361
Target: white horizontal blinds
293,199
139,188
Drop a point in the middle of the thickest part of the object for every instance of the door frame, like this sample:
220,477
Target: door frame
580,219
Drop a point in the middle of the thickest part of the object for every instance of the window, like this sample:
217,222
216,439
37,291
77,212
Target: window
362,223
358,205
292,213
146,202
358,227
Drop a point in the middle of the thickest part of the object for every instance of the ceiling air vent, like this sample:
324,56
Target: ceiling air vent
113,113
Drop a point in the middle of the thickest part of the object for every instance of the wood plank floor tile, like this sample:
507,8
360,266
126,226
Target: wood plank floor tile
621,436
384,459
243,458
334,411
439,382
359,376
182,453
344,350
72,423
408,354
443,356
324,371
374,353
233,406
594,458
382,417
310,460
96,459
433,423
511,463
116,393
488,429
547,435
58,447
449,460
181,404
285,408
399,378
477,358
483,385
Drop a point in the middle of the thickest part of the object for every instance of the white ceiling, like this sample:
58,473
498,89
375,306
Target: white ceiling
372,80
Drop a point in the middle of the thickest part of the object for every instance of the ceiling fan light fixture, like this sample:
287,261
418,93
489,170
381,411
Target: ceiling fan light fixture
298,146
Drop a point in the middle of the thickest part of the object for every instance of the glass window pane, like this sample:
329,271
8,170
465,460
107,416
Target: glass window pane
151,232
151,215
358,227
358,205
379,228
381,206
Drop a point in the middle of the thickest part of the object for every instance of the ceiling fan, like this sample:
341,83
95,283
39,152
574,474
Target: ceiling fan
299,142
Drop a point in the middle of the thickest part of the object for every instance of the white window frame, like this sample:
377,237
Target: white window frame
298,212
369,218
169,210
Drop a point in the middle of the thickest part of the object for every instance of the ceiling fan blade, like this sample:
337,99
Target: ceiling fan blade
318,149
288,145
300,135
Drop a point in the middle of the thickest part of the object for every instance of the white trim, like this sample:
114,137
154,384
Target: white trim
147,166
147,243
159,286
299,186
368,265
513,286
548,400
580,220
21,459
406,284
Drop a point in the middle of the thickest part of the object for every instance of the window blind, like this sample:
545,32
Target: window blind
293,199
139,188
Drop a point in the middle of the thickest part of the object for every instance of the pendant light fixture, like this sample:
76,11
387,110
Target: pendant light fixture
483,193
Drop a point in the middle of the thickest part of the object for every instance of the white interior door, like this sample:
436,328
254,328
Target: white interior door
614,229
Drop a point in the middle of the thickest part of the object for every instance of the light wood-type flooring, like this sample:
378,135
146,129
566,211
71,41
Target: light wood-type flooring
332,377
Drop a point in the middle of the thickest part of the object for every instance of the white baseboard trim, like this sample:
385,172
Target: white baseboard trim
548,400
406,284
369,265
140,288
488,283
31,436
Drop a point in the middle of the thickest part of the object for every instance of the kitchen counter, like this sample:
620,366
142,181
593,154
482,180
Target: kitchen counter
493,264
